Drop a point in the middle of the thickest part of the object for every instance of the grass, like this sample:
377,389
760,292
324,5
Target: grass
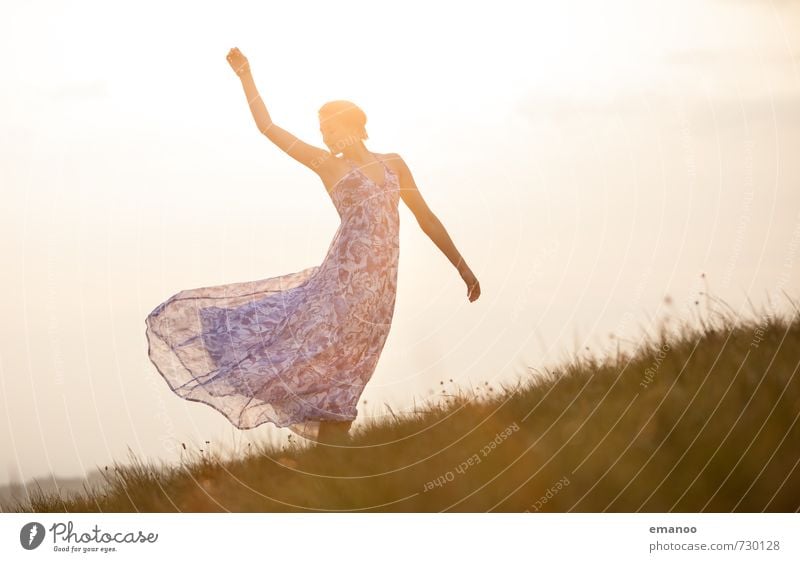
698,418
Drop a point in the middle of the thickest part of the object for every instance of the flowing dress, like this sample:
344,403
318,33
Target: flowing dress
297,348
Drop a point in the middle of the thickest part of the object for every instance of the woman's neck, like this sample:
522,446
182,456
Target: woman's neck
358,153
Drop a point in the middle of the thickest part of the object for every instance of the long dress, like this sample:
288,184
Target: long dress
297,348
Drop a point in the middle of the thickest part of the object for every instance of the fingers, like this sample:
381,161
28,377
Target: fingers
474,292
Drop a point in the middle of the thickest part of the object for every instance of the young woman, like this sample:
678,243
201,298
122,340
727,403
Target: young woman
297,349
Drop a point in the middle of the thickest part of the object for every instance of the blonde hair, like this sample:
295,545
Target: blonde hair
347,113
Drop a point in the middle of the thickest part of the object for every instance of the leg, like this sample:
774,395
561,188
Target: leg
333,432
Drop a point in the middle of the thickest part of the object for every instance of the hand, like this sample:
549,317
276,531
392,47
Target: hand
238,62
473,287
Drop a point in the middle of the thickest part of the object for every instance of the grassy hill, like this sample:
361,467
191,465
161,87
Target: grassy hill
697,419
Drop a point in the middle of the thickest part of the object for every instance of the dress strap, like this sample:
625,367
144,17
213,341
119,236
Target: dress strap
380,160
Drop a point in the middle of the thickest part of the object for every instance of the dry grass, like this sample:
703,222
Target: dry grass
696,419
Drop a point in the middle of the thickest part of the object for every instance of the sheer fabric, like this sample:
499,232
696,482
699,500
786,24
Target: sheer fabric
296,348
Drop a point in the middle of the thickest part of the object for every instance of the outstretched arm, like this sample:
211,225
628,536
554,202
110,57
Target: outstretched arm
307,154
433,227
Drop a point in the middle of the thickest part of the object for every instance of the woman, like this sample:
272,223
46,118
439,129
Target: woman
297,350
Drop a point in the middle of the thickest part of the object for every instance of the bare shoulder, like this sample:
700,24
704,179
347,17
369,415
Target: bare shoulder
325,162
409,191
394,161
331,169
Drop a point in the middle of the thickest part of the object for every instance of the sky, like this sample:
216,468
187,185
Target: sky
588,159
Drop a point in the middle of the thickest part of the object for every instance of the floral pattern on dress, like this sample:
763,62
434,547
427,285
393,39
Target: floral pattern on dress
296,348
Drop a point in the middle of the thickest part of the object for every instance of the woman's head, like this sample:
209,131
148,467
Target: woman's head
342,123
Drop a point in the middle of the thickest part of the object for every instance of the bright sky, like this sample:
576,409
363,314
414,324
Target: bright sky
587,158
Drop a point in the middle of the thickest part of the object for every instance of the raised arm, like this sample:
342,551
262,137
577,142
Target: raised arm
432,226
309,155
